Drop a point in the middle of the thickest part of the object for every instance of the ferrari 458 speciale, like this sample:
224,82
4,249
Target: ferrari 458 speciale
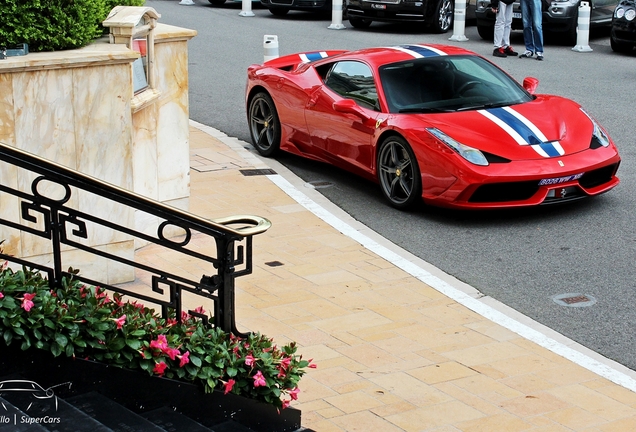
430,122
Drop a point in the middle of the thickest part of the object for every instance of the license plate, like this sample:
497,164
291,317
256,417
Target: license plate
378,6
516,15
559,180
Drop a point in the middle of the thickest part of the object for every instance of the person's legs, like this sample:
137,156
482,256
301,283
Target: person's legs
506,11
537,27
499,32
528,22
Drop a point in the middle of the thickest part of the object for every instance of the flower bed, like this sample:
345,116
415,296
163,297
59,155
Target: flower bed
84,321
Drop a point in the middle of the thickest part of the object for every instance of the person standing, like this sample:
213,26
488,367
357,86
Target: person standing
503,21
531,15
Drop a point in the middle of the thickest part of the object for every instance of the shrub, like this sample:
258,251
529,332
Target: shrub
83,321
48,25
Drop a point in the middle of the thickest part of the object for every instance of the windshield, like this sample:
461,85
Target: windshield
448,83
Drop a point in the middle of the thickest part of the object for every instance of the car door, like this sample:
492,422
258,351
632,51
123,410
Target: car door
602,11
339,128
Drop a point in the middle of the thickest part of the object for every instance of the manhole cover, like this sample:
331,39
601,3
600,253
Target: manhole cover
319,184
574,300
255,172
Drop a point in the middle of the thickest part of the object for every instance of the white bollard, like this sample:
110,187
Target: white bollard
186,2
270,46
336,15
459,22
246,8
583,29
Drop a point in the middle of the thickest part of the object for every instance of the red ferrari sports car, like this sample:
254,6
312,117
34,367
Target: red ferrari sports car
431,121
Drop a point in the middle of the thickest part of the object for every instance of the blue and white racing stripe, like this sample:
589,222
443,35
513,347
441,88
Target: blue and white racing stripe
523,131
419,51
313,56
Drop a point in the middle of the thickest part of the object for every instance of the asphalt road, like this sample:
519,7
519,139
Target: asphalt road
521,258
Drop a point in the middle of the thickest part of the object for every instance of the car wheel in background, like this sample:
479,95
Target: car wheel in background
398,173
278,11
264,124
621,47
217,2
360,23
486,32
443,16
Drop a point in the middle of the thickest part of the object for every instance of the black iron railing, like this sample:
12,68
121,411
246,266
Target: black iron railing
65,227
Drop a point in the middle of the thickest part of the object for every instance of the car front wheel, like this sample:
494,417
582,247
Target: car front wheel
443,17
620,47
264,124
217,2
399,173
279,11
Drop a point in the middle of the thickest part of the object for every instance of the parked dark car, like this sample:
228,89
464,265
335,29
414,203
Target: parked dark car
559,17
281,7
623,34
437,15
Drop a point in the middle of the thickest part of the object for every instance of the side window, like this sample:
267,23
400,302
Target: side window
354,80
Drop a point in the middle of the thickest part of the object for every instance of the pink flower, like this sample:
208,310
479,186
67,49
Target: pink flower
294,393
184,359
284,363
171,352
1,295
259,380
171,322
286,403
120,321
311,365
228,386
160,343
249,360
27,304
200,310
160,368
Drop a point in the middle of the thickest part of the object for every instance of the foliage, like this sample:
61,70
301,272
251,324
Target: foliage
48,25
83,321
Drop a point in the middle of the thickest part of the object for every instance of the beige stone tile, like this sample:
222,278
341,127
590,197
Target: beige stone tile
618,393
392,409
487,388
353,402
623,425
321,425
523,364
368,355
576,418
441,372
434,416
330,412
470,399
335,376
493,423
486,353
410,389
535,404
528,383
363,421
593,402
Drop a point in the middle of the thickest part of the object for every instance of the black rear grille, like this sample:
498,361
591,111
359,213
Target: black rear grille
501,192
598,177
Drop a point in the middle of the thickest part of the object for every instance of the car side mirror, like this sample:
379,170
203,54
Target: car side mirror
530,84
349,106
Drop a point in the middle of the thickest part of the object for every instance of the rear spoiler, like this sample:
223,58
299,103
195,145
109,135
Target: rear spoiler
290,61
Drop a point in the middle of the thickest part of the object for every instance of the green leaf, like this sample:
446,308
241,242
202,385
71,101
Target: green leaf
19,331
56,349
138,333
61,340
133,343
195,360
117,344
8,337
231,372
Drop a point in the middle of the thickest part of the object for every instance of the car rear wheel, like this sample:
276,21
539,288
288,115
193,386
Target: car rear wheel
217,2
398,173
486,32
443,17
360,23
264,124
279,11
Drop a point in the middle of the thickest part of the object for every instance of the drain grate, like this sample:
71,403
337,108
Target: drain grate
256,172
574,300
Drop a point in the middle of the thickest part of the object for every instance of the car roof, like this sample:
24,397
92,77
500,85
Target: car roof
390,54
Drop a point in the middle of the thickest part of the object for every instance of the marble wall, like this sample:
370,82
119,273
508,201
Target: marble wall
77,108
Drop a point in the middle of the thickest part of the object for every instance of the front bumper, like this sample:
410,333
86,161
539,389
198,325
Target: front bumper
388,12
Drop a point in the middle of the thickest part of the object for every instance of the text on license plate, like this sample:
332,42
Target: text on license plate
558,180
516,15
378,6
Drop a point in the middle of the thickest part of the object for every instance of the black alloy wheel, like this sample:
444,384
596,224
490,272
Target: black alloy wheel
399,173
359,23
264,124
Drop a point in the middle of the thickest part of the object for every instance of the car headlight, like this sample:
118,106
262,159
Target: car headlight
630,14
619,12
598,133
472,155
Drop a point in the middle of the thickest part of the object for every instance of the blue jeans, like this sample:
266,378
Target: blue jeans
531,16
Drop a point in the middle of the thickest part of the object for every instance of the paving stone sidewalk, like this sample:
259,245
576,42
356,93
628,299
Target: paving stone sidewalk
393,354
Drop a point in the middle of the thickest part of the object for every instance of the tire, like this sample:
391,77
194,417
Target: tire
217,2
442,19
486,32
264,124
621,47
360,23
278,11
399,173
